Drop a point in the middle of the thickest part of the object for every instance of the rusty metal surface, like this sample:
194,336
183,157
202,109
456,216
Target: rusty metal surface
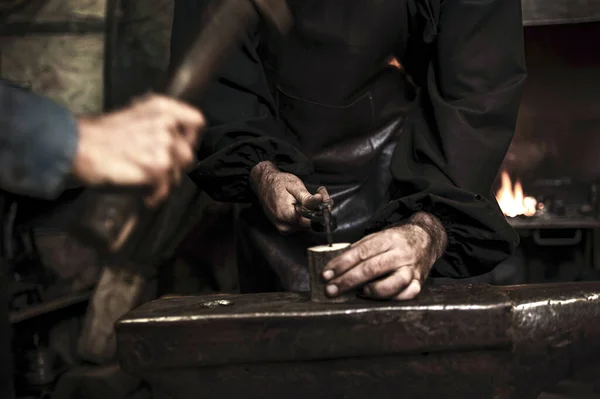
465,340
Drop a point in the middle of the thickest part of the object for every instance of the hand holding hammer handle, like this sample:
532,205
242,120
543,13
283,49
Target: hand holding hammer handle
108,219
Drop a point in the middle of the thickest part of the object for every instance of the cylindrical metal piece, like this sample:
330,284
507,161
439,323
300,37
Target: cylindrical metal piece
318,257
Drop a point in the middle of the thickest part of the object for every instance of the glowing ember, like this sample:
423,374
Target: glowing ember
511,199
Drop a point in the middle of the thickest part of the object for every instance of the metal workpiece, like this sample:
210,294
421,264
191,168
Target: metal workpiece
318,257
451,341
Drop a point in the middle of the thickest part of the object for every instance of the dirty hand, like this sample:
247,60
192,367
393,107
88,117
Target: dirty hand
150,143
278,192
390,264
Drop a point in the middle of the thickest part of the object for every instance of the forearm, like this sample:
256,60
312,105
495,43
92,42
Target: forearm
426,235
261,172
38,142
435,232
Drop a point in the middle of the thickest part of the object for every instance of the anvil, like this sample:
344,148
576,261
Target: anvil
454,341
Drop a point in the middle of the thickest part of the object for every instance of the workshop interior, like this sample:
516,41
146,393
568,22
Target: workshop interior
178,326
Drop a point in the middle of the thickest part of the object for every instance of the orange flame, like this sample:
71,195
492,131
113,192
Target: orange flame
511,199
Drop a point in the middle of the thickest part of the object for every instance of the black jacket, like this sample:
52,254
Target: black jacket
465,56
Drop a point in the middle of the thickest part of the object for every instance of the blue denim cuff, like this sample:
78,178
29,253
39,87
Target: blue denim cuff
38,140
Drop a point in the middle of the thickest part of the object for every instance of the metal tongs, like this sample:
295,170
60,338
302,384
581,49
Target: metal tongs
320,216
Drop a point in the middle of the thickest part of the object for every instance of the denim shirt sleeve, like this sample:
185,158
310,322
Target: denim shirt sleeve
38,140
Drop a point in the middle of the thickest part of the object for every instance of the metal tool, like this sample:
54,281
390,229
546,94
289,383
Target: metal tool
320,217
108,219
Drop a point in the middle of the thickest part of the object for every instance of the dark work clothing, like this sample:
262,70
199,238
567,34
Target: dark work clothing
322,103
6,366
38,140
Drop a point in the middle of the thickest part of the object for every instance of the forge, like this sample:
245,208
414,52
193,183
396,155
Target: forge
549,181
558,222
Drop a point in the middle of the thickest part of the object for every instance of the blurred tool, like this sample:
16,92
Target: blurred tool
108,219
111,218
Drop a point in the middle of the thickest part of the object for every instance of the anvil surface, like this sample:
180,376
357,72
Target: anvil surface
452,341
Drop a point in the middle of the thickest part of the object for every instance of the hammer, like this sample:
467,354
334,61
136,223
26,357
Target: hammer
109,218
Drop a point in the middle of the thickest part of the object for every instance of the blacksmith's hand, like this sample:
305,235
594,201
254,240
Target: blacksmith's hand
149,143
390,264
278,192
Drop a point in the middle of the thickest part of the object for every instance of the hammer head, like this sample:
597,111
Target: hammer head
276,13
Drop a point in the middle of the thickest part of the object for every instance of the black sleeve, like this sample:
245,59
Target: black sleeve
448,157
241,113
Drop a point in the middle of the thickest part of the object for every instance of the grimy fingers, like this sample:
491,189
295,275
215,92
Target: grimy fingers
183,154
373,268
297,189
161,191
323,192
301,221
410,292
183,114
192,135
313,201
354,256
392,285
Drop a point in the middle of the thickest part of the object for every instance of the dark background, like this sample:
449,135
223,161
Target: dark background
558,133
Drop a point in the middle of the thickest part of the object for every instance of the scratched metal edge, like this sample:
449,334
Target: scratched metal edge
511,325
272,304
434,298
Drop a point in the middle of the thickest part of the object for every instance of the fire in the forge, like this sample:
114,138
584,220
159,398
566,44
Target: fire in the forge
511,199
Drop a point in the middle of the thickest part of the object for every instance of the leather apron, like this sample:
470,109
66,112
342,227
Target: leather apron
350,141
